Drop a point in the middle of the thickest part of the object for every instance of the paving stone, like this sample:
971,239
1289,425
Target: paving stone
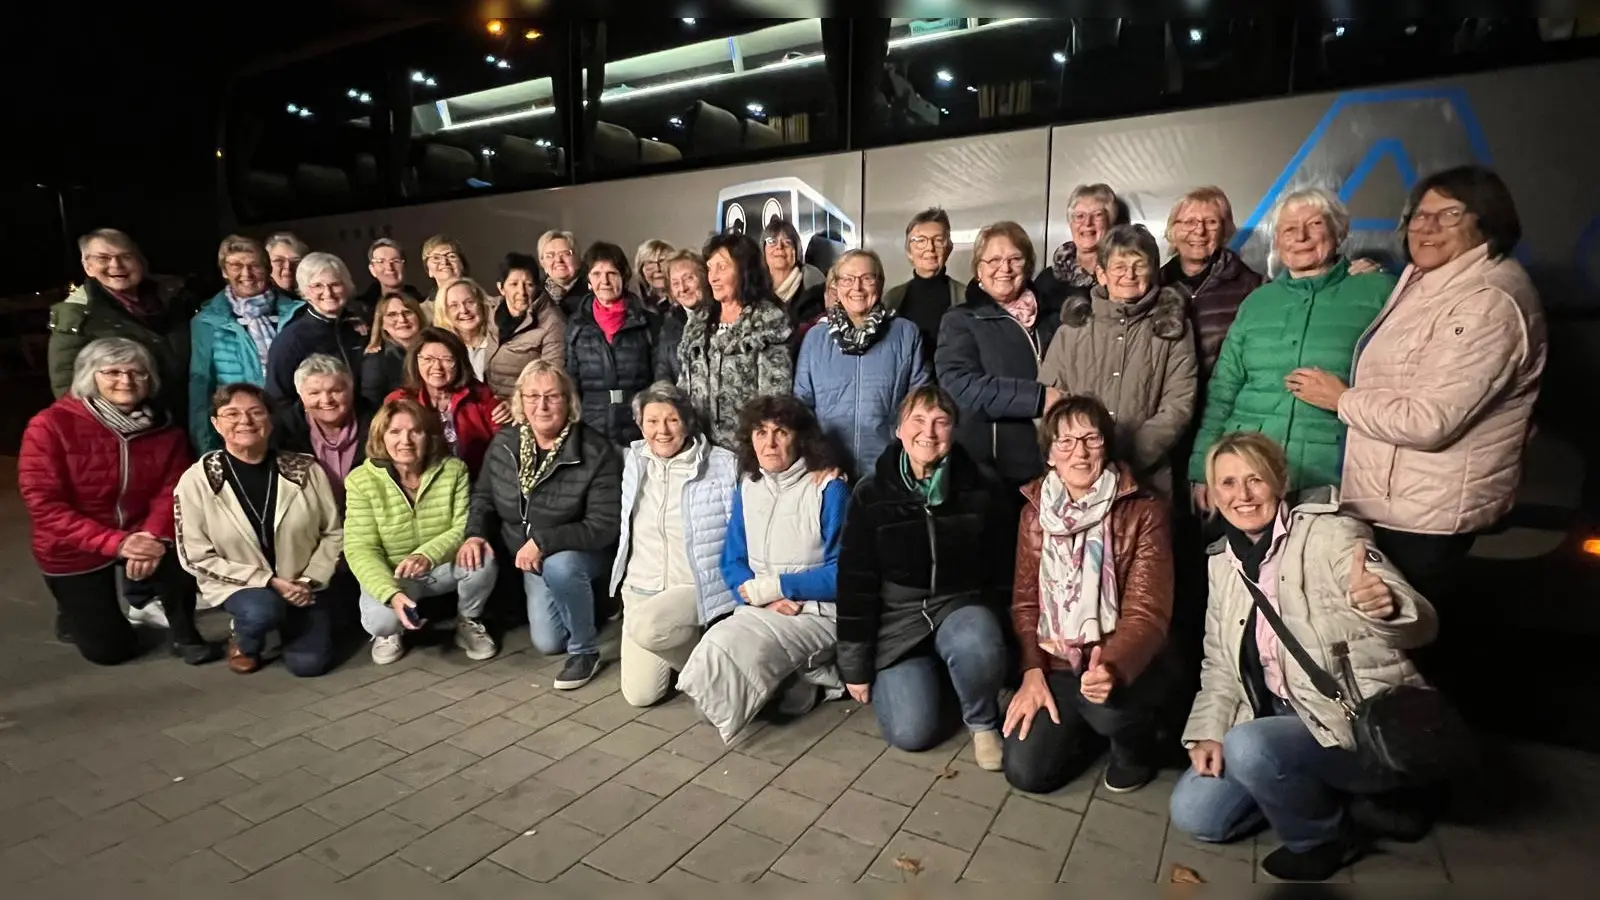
661,772
205,756
106,828
1116,843
525,804
364,843
448,851
354,675
700,743
676,715
608,808
294,753
490,879
165,845
822,857
345,703
860,719
1001,860
391,876
356,761
359,799
203,867
864,818
778,814
1216,863
227,721
422,732
275,839
506,768
519,689
184,797
583,771
38,784
815,778
950,821
404,683
278,796
24,862
407,707
92,876
783,744
692,810
633,741
732,855
974,785
104,793
145,748
676,875
420,769
1036,824
276,703
350,730
290,876
851,750
936,863
544,852
894,780
281,727
602,687
442,801
465,685
934,758
738,775
1076,794
561,739
477,708
1154,798
608,713
490,736
543,711
640,853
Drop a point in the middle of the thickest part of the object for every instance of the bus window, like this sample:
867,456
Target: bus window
482,106
1337,53
711,90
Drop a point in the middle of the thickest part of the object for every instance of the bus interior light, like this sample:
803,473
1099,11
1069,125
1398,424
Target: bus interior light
944,76
1059,57
532,34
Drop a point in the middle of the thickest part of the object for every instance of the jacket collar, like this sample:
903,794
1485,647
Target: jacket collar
633,315
1312,284
1315,501
984,306
294,468
963,472
1438,281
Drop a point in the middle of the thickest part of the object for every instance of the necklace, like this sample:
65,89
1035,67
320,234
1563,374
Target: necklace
256,515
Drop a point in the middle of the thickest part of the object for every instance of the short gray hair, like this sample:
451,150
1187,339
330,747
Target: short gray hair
1321,199
321,364
1129,239
316,263
1101,192
112,236
554,234
385,242
676,397
110,352
287,237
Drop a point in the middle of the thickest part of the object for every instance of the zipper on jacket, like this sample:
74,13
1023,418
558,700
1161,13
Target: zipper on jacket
122,478
933,569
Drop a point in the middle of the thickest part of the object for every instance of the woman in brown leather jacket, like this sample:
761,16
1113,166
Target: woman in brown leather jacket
1091,604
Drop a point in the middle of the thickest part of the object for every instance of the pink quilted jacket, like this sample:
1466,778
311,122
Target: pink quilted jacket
1443,388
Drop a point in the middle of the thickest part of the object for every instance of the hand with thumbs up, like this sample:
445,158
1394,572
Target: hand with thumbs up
1368,594
1097,680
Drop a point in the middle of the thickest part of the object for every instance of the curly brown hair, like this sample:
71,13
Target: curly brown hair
788,413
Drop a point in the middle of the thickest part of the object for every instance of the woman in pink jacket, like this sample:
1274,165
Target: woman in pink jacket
1444,381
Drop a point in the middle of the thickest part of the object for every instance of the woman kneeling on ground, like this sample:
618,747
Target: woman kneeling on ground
781,559
1265,744
1091,604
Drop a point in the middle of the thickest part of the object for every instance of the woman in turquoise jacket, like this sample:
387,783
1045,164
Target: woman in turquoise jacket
1310,316
232,333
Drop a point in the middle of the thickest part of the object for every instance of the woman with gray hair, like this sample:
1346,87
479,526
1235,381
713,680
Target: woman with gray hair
1091,211
677,494
326,420
285,252
97,470
1310,315
798,286
323,325
1129,344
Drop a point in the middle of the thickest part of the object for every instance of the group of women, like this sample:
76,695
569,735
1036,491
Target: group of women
802,485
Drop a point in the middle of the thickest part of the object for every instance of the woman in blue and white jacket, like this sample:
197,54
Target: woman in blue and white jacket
781,560
677,495
855,371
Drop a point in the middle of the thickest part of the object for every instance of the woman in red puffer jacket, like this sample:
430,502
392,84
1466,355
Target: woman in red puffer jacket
97,471
439,377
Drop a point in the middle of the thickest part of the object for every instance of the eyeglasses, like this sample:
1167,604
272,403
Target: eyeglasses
846,282
1084,218
1196,224
436,360
138,375
543,399
1448,217
1123,270
285,261
437,258
550,256
1067,442
923,242
387,263
399,316
238,268
239,415
1003,262
106,259
778,242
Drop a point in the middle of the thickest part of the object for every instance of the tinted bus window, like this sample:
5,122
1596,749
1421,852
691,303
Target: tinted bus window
1336,53
702,89
483,107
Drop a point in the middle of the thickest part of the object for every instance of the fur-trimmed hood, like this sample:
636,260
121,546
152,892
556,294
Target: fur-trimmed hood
1166,307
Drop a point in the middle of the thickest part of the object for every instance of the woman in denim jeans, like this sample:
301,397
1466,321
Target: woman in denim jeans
1266,746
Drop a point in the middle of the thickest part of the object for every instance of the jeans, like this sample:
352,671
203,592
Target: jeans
906,696
88,603
307,631
1273,769
561,602
472,587
1054,755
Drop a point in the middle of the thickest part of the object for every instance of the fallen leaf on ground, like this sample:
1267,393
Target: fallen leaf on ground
908,865
948,773
1185,875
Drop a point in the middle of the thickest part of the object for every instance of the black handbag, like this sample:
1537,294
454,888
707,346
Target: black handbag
1410,730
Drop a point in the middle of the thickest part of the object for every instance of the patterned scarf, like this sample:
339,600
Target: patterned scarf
790,285
259,316
556,289
1078,601
126,424
529,468
1025,309
1064,263
854,341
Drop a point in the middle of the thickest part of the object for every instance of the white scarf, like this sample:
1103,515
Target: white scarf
791,284
1077,573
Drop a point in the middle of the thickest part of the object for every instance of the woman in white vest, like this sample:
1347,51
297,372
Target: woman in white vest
781,560
677,492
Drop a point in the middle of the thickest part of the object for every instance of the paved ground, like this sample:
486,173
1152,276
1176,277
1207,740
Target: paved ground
441,769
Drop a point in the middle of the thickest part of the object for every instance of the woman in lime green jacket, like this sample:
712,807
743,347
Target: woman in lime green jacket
1310,316
405,518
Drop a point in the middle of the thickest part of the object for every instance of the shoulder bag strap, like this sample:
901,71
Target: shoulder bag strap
1325,684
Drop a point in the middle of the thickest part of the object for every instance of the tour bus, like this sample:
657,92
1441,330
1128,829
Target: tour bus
495,131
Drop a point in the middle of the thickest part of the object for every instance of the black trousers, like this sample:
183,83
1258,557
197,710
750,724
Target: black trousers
88,603
1054,755
1432,564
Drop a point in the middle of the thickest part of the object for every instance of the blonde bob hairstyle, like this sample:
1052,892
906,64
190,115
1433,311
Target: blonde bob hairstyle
655,250
569,390
1012,232
480,298
434,449
1209,195
1259,452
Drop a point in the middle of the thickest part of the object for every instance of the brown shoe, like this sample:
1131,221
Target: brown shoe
240,661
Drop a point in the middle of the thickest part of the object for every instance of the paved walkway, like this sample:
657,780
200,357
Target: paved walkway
441,769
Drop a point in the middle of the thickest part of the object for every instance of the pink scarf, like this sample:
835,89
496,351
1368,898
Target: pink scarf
1025,309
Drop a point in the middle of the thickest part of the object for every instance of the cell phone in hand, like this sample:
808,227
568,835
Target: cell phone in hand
412,615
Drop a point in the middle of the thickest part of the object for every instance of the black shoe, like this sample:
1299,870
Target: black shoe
1403,815
64,631
196,654
578,671
1123,776
1317,864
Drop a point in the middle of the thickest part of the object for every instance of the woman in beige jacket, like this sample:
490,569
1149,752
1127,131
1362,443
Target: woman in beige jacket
526,324
1444,381
1264,743
259,529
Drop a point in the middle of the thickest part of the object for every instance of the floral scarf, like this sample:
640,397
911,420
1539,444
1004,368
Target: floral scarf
1025,309
1064,265
855,341
1078,601
530,469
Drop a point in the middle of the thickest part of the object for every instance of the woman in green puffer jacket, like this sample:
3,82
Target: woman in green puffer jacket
1310,316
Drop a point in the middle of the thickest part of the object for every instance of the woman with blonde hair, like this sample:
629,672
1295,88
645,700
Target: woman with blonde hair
397,323
466,315
686,287
445,263
650,275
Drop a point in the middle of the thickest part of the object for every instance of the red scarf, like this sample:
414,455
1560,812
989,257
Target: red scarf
609,318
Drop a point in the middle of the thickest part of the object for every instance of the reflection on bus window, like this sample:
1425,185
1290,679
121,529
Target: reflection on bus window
708,89
825,231
1335,53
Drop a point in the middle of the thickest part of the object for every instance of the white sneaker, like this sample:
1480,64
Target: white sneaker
153,615
386,650
472,637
